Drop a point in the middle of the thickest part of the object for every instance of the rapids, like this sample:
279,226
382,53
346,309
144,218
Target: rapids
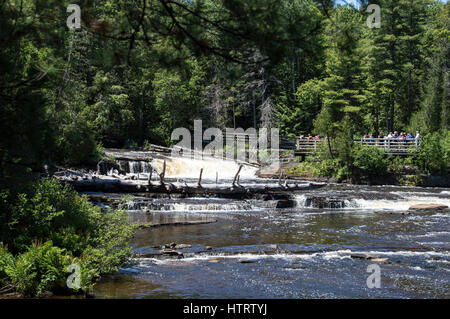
319,247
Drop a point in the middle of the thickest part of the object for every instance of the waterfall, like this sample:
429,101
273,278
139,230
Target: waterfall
145,167
190,168
136,205
135,167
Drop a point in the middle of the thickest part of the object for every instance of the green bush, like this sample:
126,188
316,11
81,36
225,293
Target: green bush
6,260
76,143
369,161
73,230
397,165
49,211
433,154
41,268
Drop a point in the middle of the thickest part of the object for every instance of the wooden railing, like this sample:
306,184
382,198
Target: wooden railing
307,146
389,145
304,146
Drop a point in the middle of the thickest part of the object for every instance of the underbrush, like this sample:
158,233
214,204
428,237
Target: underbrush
50,230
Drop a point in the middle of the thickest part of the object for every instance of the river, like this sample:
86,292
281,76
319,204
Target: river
321,247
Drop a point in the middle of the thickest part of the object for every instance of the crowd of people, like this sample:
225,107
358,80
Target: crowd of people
396,137
310,137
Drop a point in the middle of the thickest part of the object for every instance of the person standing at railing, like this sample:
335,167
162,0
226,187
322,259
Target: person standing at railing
403,138
316,139
371,139
380,140
417,139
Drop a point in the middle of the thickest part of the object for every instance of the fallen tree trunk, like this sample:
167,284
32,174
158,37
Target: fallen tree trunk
125,186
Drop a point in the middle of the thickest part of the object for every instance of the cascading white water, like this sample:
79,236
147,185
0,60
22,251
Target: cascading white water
208,207
135,167
190,168
192,206
144,167
401,204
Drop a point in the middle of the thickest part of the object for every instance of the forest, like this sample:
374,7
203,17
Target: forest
138,69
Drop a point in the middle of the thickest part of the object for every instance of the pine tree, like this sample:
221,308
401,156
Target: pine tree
342,95
395,62
434,115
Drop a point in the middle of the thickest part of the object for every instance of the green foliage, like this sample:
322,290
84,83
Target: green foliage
41,268
77,143
398,164
298,119
320,164
50,212
6,261
433,154
233,64
74,231
342,87
370,161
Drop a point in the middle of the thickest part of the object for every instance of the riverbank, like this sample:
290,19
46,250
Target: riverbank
408,176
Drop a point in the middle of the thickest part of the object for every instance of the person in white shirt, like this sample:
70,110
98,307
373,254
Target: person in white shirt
417,139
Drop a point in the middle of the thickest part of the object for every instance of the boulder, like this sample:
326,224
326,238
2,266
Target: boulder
428,207
324,202
285,203
171,252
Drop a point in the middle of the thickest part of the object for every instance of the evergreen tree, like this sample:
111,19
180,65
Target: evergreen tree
342,86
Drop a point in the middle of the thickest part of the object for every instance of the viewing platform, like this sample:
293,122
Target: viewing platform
393,146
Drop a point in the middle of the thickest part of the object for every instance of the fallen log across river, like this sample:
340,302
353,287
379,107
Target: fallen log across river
112,185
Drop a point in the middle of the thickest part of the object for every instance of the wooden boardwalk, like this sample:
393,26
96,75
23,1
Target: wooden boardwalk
305,146
391,146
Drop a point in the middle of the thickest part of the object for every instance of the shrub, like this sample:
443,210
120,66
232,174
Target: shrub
49,212
6,260
76,143
74,231
41,268
433,154
369,161
397,165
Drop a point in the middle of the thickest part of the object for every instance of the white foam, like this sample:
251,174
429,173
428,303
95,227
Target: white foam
399,205
402,204
190,168
329,255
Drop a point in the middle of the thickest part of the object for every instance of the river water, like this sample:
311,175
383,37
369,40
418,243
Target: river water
319,248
